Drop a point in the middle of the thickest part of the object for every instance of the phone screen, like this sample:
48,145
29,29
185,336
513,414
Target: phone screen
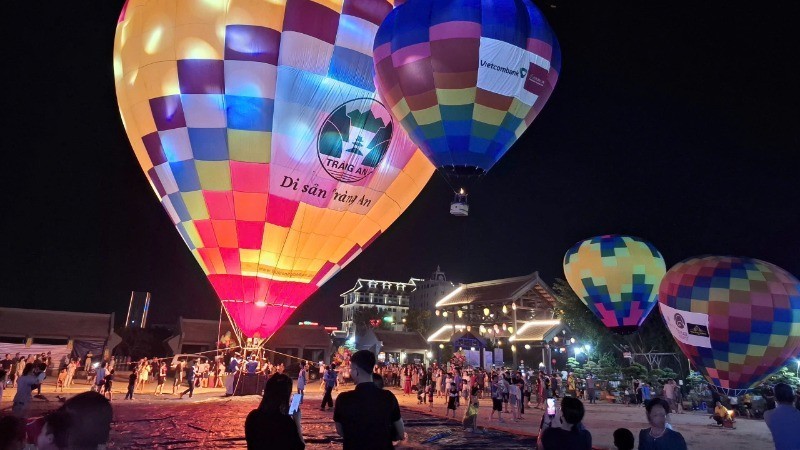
294,404
551,407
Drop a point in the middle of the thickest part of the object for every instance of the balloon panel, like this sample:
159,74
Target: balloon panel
465,78
752,311
617,277
258,127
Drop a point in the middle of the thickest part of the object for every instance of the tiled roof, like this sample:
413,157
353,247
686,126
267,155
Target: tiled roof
503,290
537,330
17,322
445,333
407,341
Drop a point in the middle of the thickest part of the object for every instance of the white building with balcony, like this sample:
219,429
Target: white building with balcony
390,297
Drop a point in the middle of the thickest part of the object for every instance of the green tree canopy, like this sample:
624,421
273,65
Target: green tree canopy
418,320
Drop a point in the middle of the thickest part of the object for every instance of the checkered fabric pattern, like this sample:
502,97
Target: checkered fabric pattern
753,312
465,78
617,277
247,117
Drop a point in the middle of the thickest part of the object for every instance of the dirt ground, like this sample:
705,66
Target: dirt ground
214,421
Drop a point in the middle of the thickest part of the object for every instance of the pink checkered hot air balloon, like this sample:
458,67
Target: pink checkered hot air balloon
259,129
736,319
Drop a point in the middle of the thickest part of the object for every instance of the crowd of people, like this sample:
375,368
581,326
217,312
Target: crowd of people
371,409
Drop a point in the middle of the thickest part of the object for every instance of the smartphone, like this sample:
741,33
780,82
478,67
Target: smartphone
294,404
551,407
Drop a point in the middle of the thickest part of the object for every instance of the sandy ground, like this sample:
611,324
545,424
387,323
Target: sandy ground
212,420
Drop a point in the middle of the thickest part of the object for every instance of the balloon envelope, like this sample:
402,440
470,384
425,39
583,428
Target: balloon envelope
465,78
259,129
736,319
617,278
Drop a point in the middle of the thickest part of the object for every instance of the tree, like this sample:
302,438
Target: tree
583,323
418,320
365,319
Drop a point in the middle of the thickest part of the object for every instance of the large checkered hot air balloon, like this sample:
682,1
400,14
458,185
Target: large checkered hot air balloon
617,277
736,319
465,78
259,129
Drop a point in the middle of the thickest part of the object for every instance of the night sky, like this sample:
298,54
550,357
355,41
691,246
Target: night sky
676,122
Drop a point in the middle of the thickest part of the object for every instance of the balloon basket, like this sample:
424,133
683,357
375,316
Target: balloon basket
459,206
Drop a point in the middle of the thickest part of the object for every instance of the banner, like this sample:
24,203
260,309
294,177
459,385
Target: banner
688,327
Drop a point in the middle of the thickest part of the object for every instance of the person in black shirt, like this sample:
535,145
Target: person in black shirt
367,417
270,426
570,433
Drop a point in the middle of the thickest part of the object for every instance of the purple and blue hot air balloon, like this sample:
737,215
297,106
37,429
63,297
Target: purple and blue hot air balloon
465,78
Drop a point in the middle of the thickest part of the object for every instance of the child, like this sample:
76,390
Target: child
470,422
430,389
61,381
131,385
420,396
451,400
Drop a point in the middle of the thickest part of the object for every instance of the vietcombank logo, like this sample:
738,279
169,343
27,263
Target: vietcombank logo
353,139
521,72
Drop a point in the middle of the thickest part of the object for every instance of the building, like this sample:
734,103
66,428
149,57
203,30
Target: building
391,298
498,310
428,292
32,331
197,335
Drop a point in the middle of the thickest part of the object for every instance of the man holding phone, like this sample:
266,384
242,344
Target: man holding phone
367,417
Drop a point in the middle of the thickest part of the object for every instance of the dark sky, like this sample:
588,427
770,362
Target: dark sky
676,122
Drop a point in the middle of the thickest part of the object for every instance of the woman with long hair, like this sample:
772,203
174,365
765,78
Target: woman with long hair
568,433
270,426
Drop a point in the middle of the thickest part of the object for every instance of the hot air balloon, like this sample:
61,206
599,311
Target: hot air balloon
736,319
465,78
258,126
617,278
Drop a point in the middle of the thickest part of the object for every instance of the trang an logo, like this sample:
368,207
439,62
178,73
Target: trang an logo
353,139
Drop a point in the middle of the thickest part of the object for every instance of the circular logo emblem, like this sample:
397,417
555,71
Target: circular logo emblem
679,321
354,138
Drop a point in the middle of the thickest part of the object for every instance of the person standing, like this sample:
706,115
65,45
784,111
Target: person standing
329,380
179,367
658,436
100,378
131,385
784,421
497,399
162,377
270,426
590,388
25,385
72,366
191,373
569,434
367,417
302,379
108,381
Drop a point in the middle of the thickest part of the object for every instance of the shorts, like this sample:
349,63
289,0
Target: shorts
161,380
497,404
513,400
505,398
451,403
